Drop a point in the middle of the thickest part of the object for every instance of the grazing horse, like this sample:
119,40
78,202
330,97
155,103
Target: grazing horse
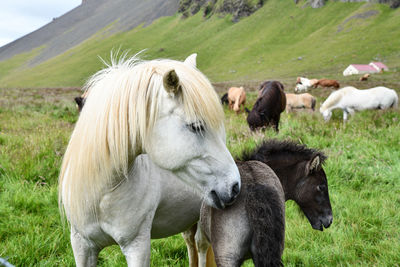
236,98
224,99
299,101
364,77
268,107
112,195
80,100
303,180
327,83
302,84
350,99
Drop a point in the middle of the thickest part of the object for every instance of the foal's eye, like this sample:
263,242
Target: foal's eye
196,127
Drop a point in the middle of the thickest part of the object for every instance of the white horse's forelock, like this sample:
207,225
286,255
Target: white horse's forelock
119,113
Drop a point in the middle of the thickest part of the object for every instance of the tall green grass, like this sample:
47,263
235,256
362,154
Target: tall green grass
363,171
280,40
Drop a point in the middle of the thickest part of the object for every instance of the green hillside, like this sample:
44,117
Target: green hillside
280,40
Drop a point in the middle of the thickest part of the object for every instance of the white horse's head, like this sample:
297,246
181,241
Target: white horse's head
327,114
189,138
300,88
167,109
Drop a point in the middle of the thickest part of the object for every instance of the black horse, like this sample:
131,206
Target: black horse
269,105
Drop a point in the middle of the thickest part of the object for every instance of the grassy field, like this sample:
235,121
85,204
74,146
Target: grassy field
363,171
280,40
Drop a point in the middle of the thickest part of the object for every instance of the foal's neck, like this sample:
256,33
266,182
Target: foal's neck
287,170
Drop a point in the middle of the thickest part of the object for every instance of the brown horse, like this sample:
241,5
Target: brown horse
325,83
268,107
303,180
236,98
300,101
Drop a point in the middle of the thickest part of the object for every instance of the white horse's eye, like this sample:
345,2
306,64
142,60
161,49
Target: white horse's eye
196,127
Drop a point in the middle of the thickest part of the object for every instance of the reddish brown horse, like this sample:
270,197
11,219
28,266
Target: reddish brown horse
327,83
268,107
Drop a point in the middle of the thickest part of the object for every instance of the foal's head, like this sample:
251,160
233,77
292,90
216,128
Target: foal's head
310,192
303,179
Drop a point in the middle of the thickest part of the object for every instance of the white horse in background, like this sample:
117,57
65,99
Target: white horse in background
350,99
110,194
302,84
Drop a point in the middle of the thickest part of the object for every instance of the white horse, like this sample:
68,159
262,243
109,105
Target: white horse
350,99
302,84
167,109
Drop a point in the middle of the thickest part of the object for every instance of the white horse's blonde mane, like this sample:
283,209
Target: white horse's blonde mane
119,113
335,97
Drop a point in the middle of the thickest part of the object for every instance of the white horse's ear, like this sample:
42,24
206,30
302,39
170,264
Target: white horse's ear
171,82
191,60
315,163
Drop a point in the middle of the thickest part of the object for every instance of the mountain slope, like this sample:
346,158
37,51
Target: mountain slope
279,40
86,20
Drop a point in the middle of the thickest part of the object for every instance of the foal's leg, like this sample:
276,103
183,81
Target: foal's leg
188,236
85,251
202,245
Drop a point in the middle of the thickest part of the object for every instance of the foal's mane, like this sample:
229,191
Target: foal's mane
274,149
120,111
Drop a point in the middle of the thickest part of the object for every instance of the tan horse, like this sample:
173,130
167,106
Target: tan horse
297,101
236,98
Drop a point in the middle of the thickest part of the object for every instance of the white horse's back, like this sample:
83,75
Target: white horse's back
375,98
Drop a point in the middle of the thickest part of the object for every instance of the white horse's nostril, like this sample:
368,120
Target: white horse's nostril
235,190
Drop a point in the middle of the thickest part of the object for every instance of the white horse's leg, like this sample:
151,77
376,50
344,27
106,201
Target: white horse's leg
202,246
345,115
85,251
188,236
137,252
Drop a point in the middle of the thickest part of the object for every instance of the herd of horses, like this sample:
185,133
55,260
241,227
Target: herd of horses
148,159
272,101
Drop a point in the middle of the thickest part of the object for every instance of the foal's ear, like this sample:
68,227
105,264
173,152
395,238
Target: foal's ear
314,164
191,60
171,82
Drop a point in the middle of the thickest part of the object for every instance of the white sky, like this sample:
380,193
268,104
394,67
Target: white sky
20,17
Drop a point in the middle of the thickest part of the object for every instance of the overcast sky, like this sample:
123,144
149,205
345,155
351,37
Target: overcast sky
20,17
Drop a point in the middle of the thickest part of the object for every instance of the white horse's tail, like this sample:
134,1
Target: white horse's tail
396,100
